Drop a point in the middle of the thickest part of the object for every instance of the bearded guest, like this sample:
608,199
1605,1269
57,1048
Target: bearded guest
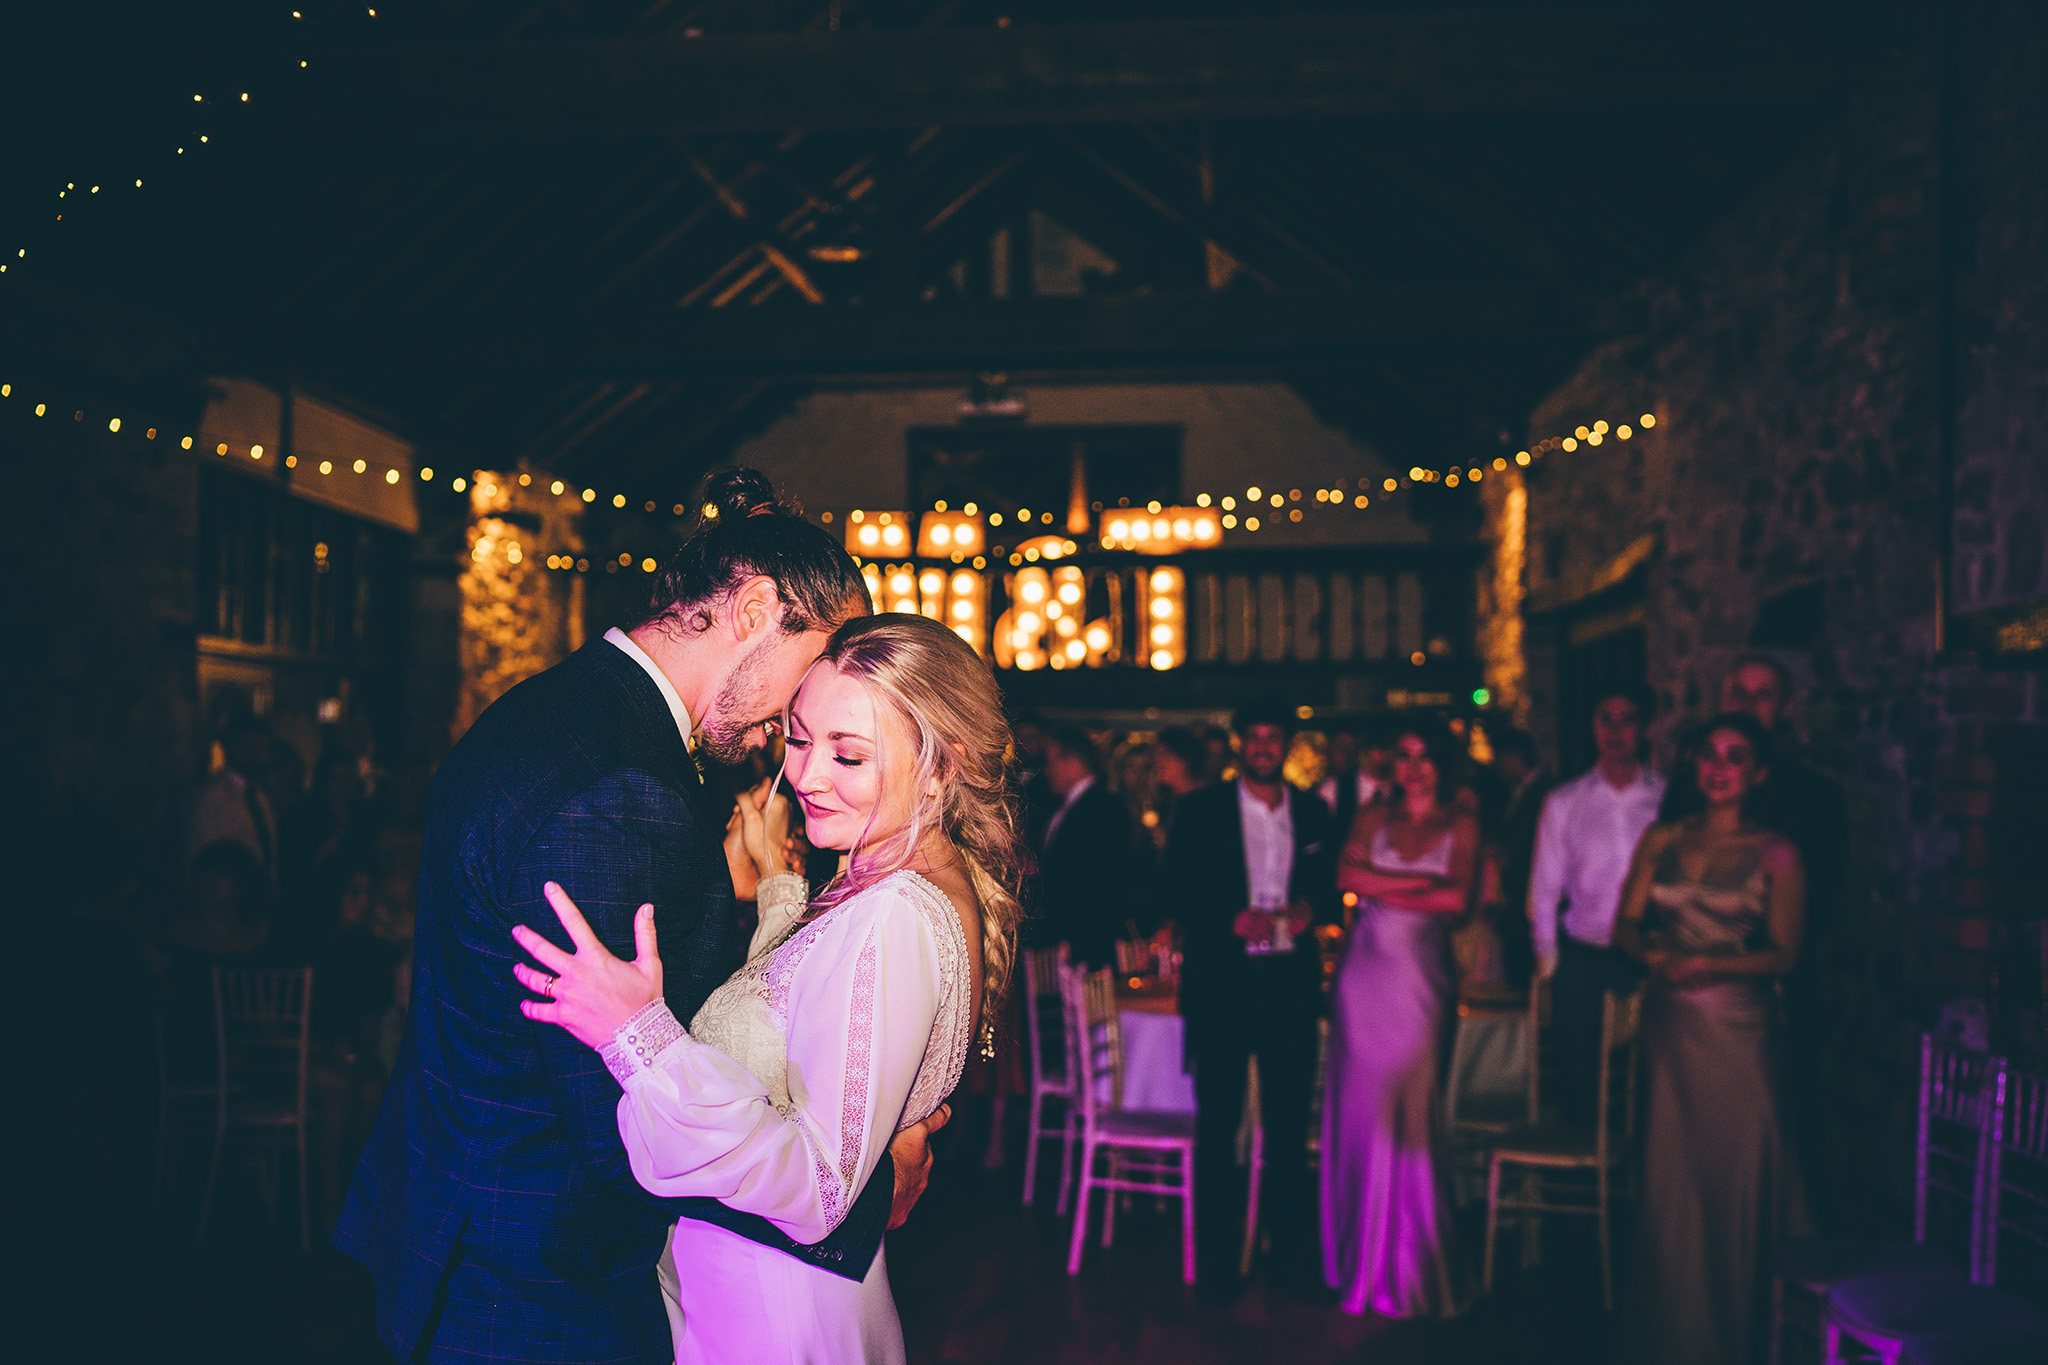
1248,870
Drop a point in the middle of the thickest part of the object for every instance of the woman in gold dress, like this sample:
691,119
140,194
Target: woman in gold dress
1714,908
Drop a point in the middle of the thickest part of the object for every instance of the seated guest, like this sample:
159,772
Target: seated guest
1247,871
1084,855
355,976
1714,909
1386,1215
232,804
223,920
1584,840
325,839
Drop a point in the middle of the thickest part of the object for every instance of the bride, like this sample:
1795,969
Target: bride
853,1015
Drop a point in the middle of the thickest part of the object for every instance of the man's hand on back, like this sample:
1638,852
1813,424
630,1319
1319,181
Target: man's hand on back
912,1153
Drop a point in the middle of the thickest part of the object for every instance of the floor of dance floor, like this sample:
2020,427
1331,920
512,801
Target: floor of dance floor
979,1279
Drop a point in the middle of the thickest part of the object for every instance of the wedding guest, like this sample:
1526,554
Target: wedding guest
222,919
1584,840
355,973
1348,787
1181,762
1179,766
231,804
1714,909
1386,1216
1222,762
1085,854
330,835
1036,800
1807,807
1528,782
1248,870
1130,777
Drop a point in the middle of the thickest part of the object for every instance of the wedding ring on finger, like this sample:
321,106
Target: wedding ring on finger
547,986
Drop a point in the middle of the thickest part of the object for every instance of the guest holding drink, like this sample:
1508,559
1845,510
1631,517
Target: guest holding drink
1386,1217
1246,871
1714,907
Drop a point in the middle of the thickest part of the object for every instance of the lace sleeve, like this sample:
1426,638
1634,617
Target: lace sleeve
780,899
860,1010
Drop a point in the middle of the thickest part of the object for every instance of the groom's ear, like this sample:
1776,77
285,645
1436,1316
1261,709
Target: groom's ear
756,608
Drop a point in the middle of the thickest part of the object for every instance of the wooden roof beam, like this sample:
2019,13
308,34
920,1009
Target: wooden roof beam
827,342
1487,61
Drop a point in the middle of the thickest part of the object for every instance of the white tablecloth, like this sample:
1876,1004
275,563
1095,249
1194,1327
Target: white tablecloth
1153,1078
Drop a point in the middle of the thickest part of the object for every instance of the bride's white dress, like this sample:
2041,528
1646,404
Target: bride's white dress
782,1099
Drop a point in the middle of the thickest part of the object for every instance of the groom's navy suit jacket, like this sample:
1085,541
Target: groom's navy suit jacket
494,1204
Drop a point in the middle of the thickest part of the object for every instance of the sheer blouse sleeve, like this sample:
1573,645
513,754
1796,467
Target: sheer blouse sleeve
862,997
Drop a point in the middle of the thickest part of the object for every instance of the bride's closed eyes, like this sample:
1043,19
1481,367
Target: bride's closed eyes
843,759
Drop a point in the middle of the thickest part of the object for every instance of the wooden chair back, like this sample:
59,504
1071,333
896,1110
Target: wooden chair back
1045,1019
1090,1000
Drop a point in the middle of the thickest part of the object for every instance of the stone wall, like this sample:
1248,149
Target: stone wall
2001,512
98,688
1795,486
519,614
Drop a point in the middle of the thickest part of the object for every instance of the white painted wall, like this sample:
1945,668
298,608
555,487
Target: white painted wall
845,449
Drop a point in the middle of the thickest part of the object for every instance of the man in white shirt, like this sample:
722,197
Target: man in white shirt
1585,841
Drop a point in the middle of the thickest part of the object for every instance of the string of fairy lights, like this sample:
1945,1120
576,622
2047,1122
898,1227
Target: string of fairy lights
882,536
1256,508
1153,526
195,138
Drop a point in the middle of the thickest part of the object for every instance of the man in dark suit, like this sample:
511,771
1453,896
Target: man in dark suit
1526,782
1249,869
493,1204
1084,862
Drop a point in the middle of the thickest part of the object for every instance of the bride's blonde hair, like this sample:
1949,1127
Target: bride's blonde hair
947,695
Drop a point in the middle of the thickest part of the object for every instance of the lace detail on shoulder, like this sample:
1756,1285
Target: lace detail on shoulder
945,1056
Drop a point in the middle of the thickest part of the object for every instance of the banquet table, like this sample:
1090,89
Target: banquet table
1153,1036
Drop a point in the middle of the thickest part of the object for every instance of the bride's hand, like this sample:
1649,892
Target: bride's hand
746,877
764,824
591,993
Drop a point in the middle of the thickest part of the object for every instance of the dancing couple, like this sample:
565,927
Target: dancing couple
602,1142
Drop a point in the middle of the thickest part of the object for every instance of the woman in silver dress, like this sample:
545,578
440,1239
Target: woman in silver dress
1386,1218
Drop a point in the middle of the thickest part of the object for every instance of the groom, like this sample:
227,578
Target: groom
493,1204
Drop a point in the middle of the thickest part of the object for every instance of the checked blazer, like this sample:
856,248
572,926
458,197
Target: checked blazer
493,1203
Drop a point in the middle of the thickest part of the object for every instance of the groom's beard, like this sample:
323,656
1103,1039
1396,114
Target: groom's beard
726,734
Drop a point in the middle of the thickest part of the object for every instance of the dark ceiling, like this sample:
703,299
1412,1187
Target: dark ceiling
615,238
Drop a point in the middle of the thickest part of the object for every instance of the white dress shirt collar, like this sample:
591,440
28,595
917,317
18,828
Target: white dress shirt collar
668,689
1268,847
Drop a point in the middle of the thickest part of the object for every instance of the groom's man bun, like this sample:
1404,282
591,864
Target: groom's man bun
745,530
